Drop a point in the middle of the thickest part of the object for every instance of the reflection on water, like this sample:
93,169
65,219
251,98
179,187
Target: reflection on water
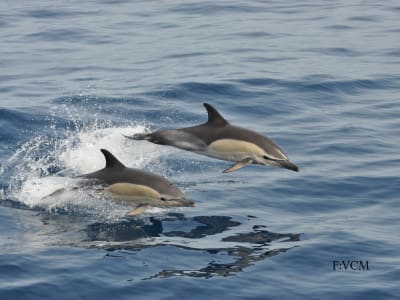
243,249
211,245
243,256
124,231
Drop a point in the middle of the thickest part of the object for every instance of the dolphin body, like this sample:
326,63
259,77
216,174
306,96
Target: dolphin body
129,185
219,139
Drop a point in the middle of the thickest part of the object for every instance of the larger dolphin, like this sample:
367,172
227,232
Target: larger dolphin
219,139
134,186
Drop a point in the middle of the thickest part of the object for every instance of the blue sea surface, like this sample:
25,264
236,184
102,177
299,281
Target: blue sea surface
321,78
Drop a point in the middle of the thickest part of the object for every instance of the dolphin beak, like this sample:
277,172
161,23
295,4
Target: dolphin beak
178,202
288,165
189,203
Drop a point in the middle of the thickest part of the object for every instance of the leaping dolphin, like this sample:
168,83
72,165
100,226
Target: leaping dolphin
136,186
219,139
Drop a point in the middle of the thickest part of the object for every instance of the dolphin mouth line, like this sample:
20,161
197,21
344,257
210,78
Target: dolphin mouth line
183,202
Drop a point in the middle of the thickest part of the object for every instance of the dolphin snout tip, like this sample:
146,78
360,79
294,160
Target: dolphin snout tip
289,165
189,203
295,168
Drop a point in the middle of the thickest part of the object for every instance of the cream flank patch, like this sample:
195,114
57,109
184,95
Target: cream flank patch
135,190
235,146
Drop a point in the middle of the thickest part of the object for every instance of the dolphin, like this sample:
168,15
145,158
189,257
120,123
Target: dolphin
219,139
134,186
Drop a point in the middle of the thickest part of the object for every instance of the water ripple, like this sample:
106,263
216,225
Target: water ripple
319,78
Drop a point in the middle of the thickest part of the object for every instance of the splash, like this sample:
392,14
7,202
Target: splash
40,174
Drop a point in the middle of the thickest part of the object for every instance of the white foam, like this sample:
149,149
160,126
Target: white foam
86,157
36,191
41,172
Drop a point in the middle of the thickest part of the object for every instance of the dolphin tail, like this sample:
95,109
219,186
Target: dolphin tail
55,193
156,137
58,192
138,136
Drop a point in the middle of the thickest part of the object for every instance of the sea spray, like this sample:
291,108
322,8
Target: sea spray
41,172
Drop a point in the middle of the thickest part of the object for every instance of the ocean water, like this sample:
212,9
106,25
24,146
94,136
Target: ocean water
321,78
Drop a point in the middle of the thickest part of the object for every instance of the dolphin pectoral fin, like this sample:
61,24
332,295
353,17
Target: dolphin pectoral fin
239,165
138,210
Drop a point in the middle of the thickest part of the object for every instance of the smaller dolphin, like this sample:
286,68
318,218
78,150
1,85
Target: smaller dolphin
219,139
139,187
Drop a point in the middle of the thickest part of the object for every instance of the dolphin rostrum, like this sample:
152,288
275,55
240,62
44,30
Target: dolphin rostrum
136,186
219,139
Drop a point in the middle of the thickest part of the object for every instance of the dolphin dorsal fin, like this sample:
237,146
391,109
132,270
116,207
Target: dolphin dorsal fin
214,117
111,160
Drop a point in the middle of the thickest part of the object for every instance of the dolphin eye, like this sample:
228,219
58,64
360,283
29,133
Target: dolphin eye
266,157
163,199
